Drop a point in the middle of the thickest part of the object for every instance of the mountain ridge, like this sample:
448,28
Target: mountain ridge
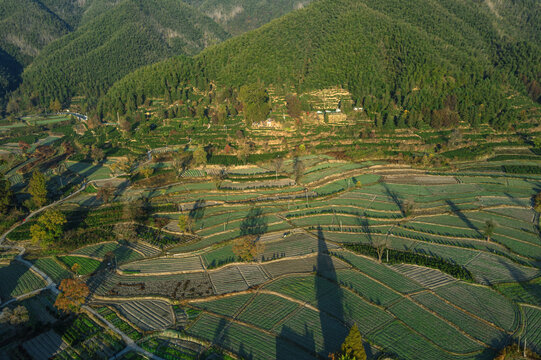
430,56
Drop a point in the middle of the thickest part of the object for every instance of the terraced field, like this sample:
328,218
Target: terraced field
164,265
148,315
308,284
87,265
52,268
17,279
532,329
121,253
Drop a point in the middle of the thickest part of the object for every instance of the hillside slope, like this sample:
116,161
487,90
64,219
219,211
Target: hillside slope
453,57
131,34
26,27
239,16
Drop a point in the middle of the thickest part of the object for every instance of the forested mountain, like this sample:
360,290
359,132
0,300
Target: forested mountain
103,40
239,16
26,27
102,50
10,70
406,62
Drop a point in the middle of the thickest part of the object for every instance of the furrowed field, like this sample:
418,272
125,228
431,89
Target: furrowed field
445,288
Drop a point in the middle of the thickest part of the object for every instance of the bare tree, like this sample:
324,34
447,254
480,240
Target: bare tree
105,194
219,178
298,169
381,244
277,164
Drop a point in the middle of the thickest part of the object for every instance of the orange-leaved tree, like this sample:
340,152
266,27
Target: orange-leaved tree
73,295
248,248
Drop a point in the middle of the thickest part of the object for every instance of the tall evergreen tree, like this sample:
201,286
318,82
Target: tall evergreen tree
37,187
353,345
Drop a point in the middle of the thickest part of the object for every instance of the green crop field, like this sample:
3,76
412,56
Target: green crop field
532,329
315,271
121,253
87,266
266,310
53,269
228,306
524,292
17,279
482,331
120,324
431,327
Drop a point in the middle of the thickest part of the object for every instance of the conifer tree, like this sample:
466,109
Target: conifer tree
38,189
353,345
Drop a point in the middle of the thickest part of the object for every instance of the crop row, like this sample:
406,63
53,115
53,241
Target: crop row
432,327
169,350
17,279
525,292
86,266
121,253
381,273
148,315
480,330
120,324
532,328
52,268
245,341
483,302
228,306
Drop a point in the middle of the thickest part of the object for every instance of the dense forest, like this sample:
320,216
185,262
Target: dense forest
132,34
29,26
95,42
428,61
26,27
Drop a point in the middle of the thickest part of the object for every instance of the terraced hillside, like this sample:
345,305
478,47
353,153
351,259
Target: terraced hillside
445,286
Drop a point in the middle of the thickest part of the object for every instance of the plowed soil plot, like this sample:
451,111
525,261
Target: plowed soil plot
184,286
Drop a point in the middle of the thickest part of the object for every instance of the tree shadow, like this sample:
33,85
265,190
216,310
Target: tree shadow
288,338
243,354
326,271
197,212
394,196
331,315
100,276
14,270
255,222
365,225
217,263
75,219
455,209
